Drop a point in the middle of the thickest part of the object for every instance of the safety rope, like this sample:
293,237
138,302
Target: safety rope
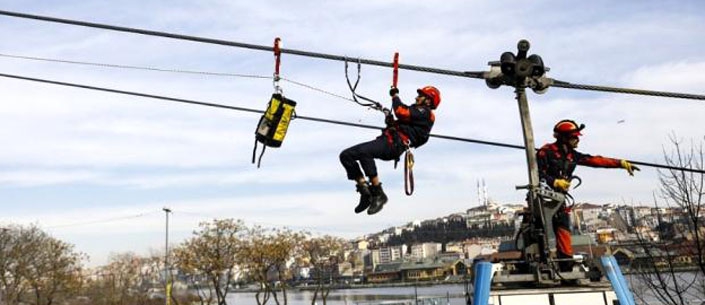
408,155
118,66
315,119
408,171
372,104
181,71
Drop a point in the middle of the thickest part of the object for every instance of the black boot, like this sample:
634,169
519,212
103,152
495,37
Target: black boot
365,196
377,200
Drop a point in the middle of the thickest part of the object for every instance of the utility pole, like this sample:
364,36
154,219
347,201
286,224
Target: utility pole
167,273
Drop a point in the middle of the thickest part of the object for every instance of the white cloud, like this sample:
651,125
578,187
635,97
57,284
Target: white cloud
70,142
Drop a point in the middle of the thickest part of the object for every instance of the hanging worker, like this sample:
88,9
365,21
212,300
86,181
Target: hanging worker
410,129
556,163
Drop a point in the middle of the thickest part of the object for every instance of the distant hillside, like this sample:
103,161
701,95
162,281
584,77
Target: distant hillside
450,231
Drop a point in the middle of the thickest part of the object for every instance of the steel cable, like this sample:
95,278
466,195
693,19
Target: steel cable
315,119
468,74
236,44
562,84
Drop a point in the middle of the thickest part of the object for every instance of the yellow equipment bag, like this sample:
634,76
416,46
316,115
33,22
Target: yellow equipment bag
273,124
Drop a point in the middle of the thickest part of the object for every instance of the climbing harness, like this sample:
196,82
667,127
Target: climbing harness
274,123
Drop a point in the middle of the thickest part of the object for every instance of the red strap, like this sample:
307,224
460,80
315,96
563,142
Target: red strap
277,55
396,70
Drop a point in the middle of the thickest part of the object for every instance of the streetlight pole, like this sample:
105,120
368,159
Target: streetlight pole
167,278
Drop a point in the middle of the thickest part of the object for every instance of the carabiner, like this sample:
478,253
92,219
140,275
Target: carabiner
580,181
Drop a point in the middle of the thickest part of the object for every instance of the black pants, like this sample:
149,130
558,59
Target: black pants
365,153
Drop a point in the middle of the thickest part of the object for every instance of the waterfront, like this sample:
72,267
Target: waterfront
442,294
445,294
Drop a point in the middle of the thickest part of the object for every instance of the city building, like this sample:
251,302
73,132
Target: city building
425,250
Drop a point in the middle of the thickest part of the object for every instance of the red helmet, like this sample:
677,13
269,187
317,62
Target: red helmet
432,93
567,128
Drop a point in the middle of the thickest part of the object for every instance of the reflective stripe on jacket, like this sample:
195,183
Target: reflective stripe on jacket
556,163
413,123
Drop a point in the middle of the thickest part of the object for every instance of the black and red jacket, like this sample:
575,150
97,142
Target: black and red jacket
413,123
558,161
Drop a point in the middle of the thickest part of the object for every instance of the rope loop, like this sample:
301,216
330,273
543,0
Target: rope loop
408,171
372,104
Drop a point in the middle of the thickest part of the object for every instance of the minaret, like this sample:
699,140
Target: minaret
480,202
485,196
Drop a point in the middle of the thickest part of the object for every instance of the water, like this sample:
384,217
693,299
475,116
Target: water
440,294
695,295
447,294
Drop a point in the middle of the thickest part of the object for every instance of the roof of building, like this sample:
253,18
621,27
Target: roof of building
427,263
387,267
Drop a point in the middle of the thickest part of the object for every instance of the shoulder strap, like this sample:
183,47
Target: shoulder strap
254,153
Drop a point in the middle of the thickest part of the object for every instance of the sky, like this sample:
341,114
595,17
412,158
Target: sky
95,169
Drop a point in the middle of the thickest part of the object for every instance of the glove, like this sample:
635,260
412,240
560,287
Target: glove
561,184
394,91
629,167
388,117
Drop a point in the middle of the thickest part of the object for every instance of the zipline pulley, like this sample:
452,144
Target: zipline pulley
519,70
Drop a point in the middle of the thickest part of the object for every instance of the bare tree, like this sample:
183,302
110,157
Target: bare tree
257,263
55,272
212,254
36,268
673,268
285,249
267,255
323,254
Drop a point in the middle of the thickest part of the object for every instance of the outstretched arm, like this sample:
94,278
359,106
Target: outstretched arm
599,161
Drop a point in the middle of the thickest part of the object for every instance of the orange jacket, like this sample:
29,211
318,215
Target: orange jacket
555,162
413,123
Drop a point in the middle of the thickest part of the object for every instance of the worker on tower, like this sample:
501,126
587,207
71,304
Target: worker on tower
411,128
556,163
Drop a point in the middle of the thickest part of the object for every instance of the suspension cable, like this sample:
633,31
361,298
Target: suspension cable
101,221
468,74
308,118
562,84
236,44
119,66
